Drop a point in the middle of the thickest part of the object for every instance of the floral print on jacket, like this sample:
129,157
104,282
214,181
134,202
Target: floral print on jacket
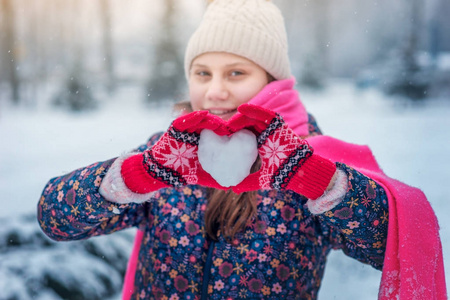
281,254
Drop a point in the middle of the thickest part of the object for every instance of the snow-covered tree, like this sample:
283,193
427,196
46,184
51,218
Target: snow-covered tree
8,48
408,77
34,267
167,75
75,92
107,43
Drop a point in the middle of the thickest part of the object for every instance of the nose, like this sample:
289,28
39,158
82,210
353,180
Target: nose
217,90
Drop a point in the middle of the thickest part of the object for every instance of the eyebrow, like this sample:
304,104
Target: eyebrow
198,65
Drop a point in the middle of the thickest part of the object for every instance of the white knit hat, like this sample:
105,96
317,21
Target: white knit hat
253,29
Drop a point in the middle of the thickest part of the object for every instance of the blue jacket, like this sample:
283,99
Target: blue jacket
281,254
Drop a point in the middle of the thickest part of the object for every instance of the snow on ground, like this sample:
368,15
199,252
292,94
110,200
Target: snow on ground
411,143
49,143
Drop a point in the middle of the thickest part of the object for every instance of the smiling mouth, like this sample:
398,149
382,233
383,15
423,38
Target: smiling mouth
220,112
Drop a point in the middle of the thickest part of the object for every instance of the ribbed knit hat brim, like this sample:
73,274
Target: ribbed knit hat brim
253,29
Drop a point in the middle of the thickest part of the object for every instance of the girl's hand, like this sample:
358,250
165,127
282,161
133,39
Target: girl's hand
173,160
287,161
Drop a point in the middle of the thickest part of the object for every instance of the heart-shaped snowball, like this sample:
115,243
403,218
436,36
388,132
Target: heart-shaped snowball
227,159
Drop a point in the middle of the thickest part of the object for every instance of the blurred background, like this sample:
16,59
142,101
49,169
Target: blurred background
85,80
53,49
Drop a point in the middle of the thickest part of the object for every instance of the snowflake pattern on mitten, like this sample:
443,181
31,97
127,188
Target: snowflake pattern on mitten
282,153
287,161
174,158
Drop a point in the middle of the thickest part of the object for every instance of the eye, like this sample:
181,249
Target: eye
202,73
236,73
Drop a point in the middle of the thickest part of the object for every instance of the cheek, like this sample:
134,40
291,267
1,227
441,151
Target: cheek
196,97
244,94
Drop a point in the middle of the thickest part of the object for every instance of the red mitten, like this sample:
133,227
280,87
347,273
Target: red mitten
287,161
173,160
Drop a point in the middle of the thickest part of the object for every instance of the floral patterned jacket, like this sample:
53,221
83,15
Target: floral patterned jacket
281,254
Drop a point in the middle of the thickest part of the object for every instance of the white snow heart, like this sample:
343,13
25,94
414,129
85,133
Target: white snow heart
227,159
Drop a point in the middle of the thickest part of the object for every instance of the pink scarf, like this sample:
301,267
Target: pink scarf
413,265
280,96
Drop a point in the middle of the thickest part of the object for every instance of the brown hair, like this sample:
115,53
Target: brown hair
227,213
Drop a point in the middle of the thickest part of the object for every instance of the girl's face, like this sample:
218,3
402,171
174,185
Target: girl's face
219,82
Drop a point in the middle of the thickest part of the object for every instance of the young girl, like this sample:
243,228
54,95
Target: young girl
266,234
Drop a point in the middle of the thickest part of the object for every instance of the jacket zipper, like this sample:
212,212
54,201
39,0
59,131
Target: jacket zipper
207,271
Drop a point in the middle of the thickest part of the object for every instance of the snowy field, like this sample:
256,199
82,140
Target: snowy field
410,142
